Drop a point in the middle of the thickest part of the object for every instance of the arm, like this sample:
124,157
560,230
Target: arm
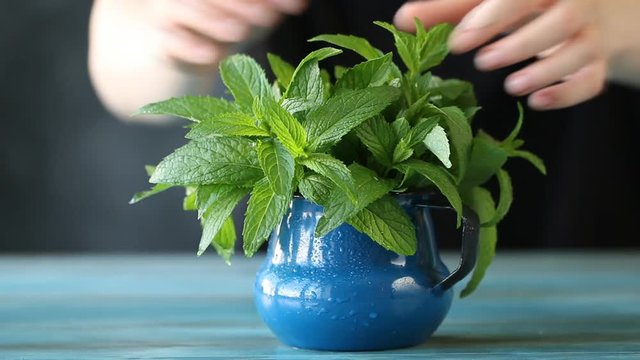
141,51
579,43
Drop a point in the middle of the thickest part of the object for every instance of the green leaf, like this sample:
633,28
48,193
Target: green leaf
156,189
480,201
193,108
460,135
506,198
401,127
439,177
386,223
189,201
339,208
420,131
245,79
215,204
379,137
307,83
281,69
338,71
316,188
438,143
225,240
453,92
369,73
332,168
265,210
432,45
532,158
278,166
341,113
354,43
406,46
487,157
227,124
288,130
210,161
516,130
402,151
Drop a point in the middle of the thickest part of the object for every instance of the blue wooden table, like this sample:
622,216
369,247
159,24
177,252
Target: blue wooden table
542,305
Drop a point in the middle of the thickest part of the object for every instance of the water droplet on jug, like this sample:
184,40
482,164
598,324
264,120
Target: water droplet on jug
352,313
334,317
313,295
373,315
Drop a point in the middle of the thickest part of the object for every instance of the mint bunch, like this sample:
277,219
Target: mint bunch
346,141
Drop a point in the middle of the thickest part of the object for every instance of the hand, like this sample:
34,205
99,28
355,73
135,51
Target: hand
200,32
578,43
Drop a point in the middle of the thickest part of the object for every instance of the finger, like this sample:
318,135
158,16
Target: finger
291,7
432,12
558,24
564,61
489,19
254,12
185,46
585,84
210,22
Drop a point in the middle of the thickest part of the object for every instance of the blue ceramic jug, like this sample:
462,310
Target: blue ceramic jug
345,292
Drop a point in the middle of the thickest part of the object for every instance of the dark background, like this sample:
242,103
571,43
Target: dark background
68,168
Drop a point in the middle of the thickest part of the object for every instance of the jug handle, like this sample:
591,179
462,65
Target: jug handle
469,248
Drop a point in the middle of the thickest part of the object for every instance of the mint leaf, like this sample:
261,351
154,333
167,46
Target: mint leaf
402,152
245,79
278,166
439,177
281,69
225,240
307,83
341,113
189,201
215,204
156,189
265,210
379,137
401,127
438,143
354,43
406,45
332,168
487,157
532,158
480,201
339,208
295,105
374,72
420,131
432,45
453,92
210,161
386,223
516,130
227,124
461,137
506,198
283,125
316,188
193,108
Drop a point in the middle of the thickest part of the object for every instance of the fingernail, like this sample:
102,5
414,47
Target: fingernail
517,84
540,101
488,59
475,19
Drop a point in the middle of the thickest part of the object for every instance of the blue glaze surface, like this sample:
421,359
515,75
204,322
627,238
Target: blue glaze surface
343,291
